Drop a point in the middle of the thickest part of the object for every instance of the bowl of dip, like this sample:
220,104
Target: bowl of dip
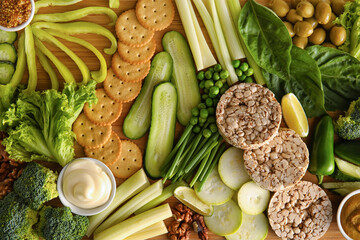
87,186
348,216
16,14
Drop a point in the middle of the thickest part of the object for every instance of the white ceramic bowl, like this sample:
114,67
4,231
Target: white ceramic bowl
21,26
338,215
83,211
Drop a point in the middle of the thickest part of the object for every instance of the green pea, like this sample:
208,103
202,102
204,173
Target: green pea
235,63
201,124
201,106
214,91
209,102
195,111
208,74
196,129
217,68
224,74
202,84
249,72
216,76
244,66
200,76
219,84
213,128
211,70
204,96
209,84
238,72
211,110
211,119
223,80
206,133
223,90
242,78
204,113
193,120
248,80
206,90
202,120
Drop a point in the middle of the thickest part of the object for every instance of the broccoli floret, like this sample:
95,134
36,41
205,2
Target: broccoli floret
60,224
36,185
16,219
348,126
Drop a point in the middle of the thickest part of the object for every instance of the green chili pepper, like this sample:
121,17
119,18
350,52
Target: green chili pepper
20,63
30,59
63,70
322,162
98,76
114,3
48,3
48,68
76,14
44,36
80,28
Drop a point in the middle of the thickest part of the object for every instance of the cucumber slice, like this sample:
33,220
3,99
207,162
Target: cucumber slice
187,196
137,121
225,220
348,168
162,129
253,199
214,191
232,169
7,70
183,76
7,52
7,37
254,227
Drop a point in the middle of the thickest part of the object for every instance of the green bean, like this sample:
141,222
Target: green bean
30,59
79,28
212,156
201,167
48,68
48,3
76,14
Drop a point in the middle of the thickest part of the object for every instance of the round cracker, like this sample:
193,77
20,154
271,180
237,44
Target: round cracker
129,162
130,31
105,111
155,15
90,135
129,72
137,55
109,152
119,90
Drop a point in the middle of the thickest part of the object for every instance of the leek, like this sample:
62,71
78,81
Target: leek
132,205
229,29
200,49
133,185
154,230
134,224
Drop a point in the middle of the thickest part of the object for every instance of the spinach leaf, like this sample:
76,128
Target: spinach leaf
266,38
340,75
304,82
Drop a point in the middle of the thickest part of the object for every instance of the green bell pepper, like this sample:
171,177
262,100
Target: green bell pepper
48,68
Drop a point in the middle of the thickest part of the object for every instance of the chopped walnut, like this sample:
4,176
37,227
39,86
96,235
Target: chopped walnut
200,227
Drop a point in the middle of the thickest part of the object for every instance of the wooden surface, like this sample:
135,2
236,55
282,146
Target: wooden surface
92,62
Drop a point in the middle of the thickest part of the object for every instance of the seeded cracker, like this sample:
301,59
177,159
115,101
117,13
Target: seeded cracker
105,111
129,162
109,152
129,72
119,90
137,55
130,31
90,135
155,14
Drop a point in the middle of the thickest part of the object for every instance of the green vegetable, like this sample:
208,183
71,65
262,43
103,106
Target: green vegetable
266,38
76,14
36,185
340,76
7,70
137,121
30,59
349,151
7,37
342,188
7,52
348,126
114,3
162,129
16,219
338,175
347,168
60,224
322,152
48,3
39,124
183,76
49,69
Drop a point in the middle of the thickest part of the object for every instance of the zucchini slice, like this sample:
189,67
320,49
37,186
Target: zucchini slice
254,227
184,74
7,37
7,70
137,121
7,52
162,129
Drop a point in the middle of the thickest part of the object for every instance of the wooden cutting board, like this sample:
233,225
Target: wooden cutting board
92,62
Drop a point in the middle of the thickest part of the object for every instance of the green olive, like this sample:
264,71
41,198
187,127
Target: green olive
294,3
315,2
305,9
327,44
337,6
293,17
318,36
338,35
330,24
312,21
290,28
303,29
280,7
323,12
300,42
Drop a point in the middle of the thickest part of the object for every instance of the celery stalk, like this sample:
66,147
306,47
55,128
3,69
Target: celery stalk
135,224
200,50
133,185
235,8
154,230
229,29
132,205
